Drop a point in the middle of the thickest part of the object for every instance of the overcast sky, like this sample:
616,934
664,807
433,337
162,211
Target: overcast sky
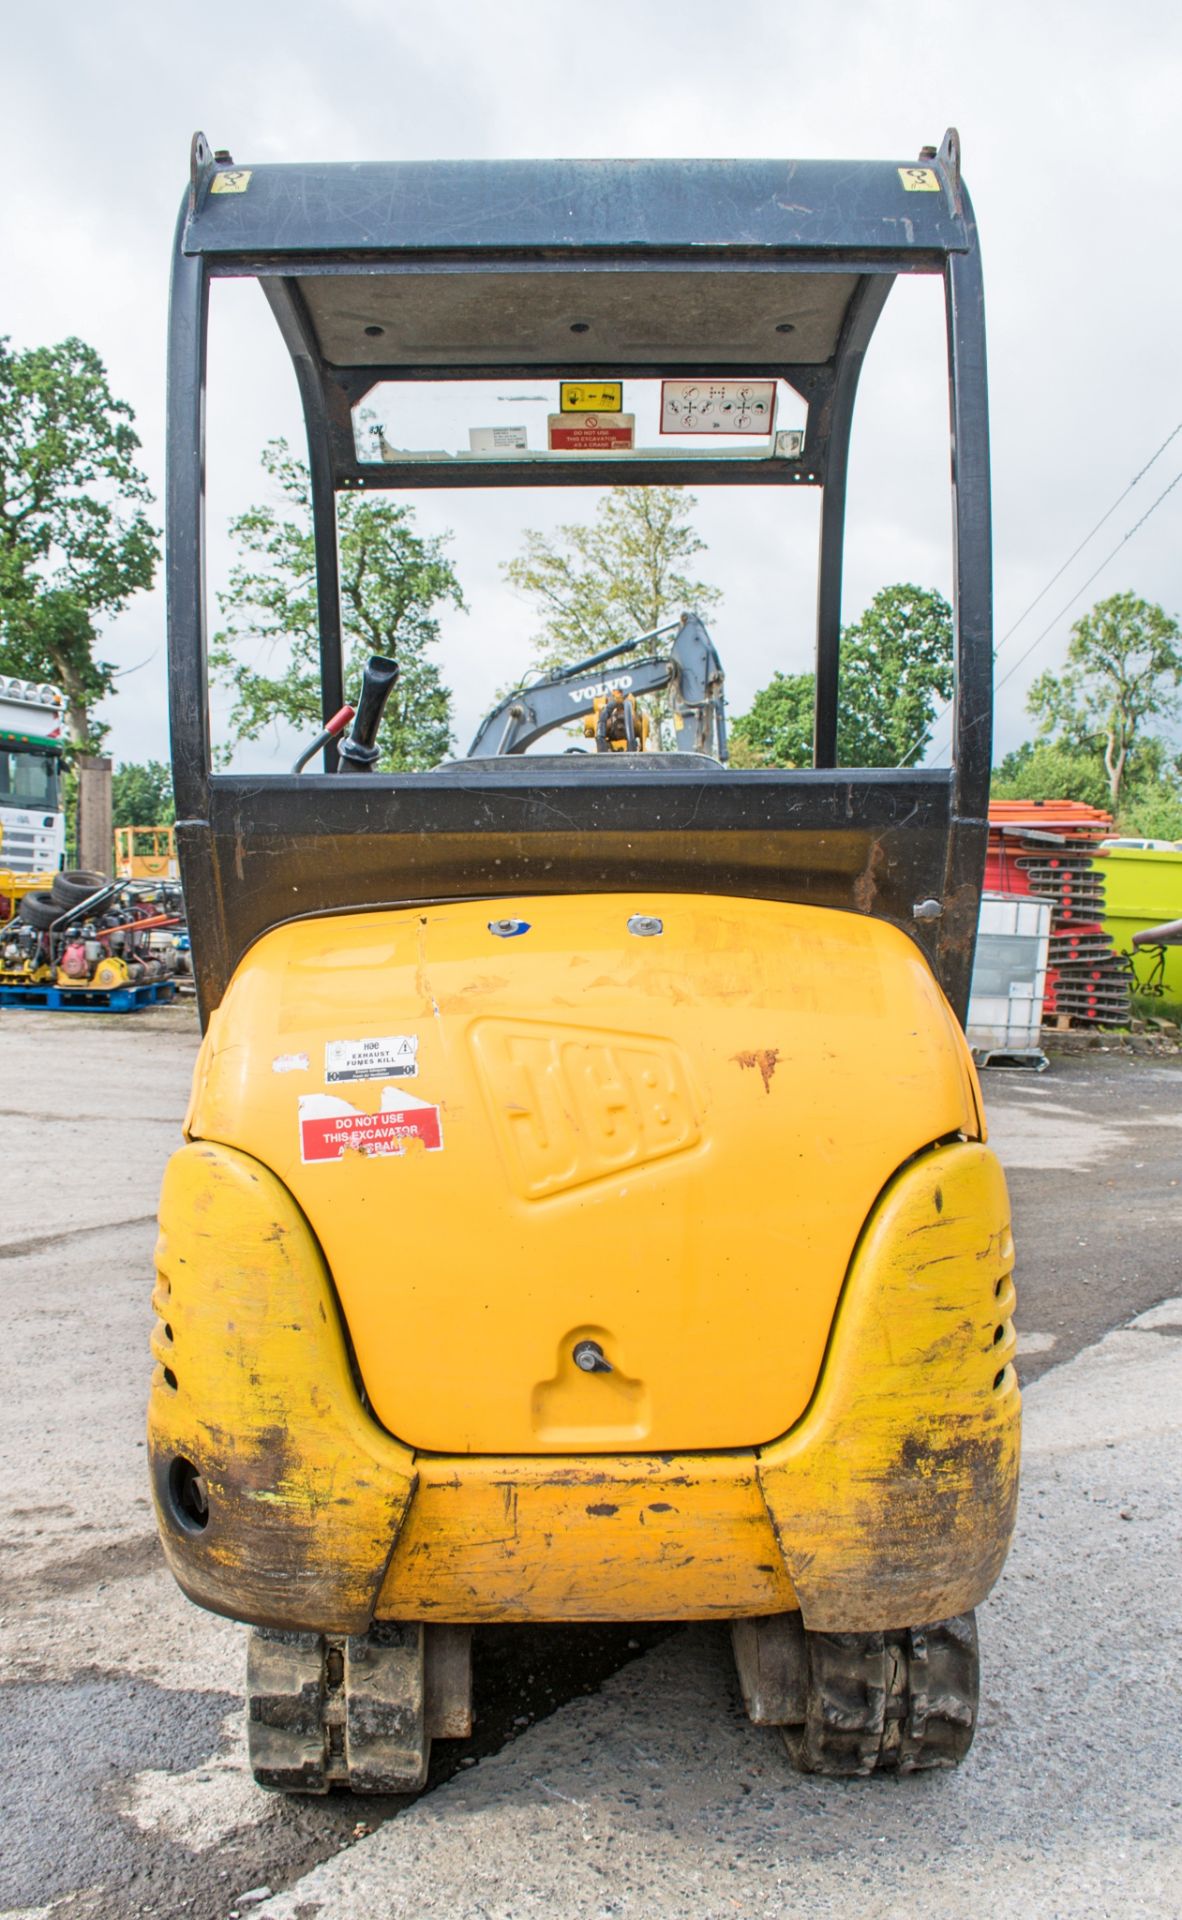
1068,115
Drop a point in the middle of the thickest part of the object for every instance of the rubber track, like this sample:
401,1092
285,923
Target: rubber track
899,1701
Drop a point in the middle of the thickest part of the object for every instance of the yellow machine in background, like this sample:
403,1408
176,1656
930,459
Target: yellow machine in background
146,853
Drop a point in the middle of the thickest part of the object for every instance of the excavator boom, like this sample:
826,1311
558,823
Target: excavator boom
691,671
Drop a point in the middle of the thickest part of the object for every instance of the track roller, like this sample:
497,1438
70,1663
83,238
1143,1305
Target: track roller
356,1711
857,1703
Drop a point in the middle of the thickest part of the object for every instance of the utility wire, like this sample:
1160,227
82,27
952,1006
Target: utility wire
1022,657
1092,576
1087,539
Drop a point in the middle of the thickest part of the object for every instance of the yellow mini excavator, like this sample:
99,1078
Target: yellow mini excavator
584,1213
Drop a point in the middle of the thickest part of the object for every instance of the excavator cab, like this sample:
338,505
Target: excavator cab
585,1212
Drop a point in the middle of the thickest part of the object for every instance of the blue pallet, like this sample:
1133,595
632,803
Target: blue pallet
90,999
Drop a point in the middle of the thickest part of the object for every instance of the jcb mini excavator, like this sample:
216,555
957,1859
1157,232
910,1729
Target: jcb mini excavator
585,1212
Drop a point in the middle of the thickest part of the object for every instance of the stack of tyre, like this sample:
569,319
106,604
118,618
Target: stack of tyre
70,889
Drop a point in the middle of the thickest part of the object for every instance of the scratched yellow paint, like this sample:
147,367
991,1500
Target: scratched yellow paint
894,1499
665,1144
890,1503
252,1386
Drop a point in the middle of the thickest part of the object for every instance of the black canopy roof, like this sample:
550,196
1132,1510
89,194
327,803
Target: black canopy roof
613,205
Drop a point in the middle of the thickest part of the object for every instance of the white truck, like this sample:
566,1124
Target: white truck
32,823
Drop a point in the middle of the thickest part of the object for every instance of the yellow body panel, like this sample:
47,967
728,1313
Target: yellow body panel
253,1387
890,1503
666,1144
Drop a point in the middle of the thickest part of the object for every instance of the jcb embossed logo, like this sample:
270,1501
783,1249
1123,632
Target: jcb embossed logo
574,1104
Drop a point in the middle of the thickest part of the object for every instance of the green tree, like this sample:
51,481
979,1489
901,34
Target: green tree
141,795
1043,770
1123,672
75,543
598,584
896,666
392,580
778,731
896,671
1153,812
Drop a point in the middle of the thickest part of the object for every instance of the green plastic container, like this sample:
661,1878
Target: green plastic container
1143,889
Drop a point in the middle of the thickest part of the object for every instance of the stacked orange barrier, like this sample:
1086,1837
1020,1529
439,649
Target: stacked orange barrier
1045,847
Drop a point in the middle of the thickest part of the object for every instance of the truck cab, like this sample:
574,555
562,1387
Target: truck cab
32,821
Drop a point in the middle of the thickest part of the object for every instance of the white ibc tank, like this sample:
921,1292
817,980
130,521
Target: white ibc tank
1009,974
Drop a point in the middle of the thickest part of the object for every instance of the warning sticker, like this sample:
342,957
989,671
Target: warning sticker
591,432
591,396
920,179
330,1127
392,1058
718,406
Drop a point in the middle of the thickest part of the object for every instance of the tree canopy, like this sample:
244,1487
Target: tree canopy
895,670
392,581
603,582
141,795
778,730
1124,671
75,542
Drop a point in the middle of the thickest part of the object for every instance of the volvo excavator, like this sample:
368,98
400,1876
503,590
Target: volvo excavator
689,674
585,1211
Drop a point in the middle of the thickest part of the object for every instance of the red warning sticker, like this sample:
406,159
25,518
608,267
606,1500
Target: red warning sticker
330,1128
591,432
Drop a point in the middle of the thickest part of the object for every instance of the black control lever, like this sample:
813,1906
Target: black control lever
359,750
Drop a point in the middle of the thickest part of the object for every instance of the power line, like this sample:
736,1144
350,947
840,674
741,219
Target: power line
1039,638
1092,576
1088,538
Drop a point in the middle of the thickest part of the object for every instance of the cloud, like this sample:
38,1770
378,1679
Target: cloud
1068,114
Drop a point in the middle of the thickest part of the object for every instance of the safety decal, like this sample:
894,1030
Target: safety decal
718,406
591,396
330,1127
236,181
920,179
391,1058
591,432
290,1063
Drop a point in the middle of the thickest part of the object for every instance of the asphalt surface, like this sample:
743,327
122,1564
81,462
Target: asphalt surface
612,1771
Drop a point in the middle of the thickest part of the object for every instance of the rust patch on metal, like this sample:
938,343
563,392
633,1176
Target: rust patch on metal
767,1059
865,889
603,1508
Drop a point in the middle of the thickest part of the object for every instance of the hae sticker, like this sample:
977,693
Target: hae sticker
394,1057
330,1127
920,179
236,181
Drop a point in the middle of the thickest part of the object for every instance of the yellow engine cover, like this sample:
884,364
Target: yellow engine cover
521,1125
